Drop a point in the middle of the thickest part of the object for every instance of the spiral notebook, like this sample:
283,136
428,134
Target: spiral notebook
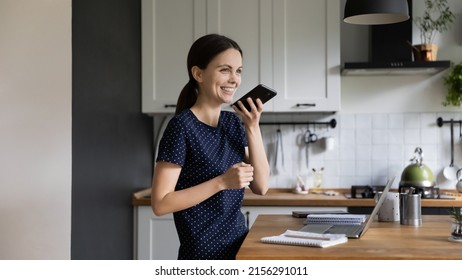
292,237
339,219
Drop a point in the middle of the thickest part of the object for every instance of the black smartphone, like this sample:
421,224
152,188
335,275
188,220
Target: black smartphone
261,91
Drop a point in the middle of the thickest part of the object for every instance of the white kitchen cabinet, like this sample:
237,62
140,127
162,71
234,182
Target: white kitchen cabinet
155,238
168,29
306,55
290,45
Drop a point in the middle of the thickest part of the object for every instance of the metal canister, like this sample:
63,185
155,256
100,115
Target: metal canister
410,209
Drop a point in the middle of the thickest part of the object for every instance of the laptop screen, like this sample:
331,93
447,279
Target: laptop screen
378,205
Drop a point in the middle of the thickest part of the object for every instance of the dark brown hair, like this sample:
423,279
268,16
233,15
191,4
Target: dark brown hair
202,51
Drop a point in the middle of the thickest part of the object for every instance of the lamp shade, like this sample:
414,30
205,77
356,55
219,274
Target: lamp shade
370,12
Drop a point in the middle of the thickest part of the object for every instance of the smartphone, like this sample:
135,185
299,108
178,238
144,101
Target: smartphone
261,91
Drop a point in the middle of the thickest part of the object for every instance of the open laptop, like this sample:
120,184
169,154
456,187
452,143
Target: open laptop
351,231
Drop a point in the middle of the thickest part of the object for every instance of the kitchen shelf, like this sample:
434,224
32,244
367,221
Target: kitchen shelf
332,123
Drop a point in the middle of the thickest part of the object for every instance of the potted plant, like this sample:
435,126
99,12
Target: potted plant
437,18
454,83
456,231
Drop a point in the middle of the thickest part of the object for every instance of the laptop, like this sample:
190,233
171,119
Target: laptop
351,231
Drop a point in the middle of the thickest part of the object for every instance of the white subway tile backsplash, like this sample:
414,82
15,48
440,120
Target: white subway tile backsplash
347,121
395,121
363,122
364,152
412,136
428,120
395,136
363,136
380,121
347,168
379,136
395,152
369,148
379,168
411,120
380,152
429,136
363,168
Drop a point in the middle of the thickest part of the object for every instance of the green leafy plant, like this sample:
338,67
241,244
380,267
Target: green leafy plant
437,17
454,83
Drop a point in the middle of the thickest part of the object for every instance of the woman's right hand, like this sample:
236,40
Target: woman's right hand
238,176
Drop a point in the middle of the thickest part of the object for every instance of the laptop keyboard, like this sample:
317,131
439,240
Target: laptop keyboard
348,230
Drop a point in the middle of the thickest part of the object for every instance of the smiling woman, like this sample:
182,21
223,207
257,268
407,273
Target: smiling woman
206,157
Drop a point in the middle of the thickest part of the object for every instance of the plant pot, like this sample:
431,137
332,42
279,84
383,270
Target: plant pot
456,231
425,52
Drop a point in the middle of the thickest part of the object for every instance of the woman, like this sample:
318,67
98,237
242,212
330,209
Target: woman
206,157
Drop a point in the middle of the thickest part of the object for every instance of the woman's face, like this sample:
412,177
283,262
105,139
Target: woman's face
220,80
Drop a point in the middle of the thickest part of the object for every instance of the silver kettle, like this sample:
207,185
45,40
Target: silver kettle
459,180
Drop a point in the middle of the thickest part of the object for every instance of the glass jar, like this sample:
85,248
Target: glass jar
318,178
456,230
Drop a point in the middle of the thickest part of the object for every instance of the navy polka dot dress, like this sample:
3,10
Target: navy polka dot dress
214,228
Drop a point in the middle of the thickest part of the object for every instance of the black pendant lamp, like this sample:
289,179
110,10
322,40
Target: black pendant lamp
371,12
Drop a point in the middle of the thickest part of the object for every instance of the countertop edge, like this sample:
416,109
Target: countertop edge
285,197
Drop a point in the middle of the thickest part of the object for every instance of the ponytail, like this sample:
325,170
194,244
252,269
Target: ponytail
187,98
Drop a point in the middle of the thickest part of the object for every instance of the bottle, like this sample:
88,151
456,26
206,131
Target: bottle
318,178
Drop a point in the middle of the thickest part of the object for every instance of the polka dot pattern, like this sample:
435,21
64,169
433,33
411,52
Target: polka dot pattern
214,228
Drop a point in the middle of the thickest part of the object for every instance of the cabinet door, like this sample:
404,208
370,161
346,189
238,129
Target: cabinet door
290,45
155,237
306,55
169,27
248,22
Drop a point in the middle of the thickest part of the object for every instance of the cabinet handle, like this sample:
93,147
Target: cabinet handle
169,106
306,104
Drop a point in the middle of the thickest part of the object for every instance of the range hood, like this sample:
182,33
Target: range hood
390,53
395,68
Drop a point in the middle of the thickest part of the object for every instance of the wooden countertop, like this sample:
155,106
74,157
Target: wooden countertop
285,197
383,240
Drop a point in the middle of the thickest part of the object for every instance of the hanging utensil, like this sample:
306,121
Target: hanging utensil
450,172
308,138
279,154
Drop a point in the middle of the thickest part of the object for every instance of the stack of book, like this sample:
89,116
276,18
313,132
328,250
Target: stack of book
335,219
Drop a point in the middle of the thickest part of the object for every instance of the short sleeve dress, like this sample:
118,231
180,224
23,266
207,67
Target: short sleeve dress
214,228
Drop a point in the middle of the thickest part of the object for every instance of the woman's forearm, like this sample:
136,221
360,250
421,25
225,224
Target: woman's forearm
257,158
165,199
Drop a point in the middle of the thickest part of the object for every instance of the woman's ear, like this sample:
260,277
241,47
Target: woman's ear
197,73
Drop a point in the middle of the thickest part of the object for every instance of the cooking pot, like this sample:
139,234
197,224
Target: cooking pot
417,174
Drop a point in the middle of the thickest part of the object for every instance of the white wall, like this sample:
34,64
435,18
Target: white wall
35,129
380,94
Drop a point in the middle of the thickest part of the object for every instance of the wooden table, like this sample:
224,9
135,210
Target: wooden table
383,240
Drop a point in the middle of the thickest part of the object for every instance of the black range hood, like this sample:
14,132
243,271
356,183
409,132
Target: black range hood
395,68
390,53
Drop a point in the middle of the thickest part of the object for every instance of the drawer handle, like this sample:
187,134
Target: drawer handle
306,104
169,106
